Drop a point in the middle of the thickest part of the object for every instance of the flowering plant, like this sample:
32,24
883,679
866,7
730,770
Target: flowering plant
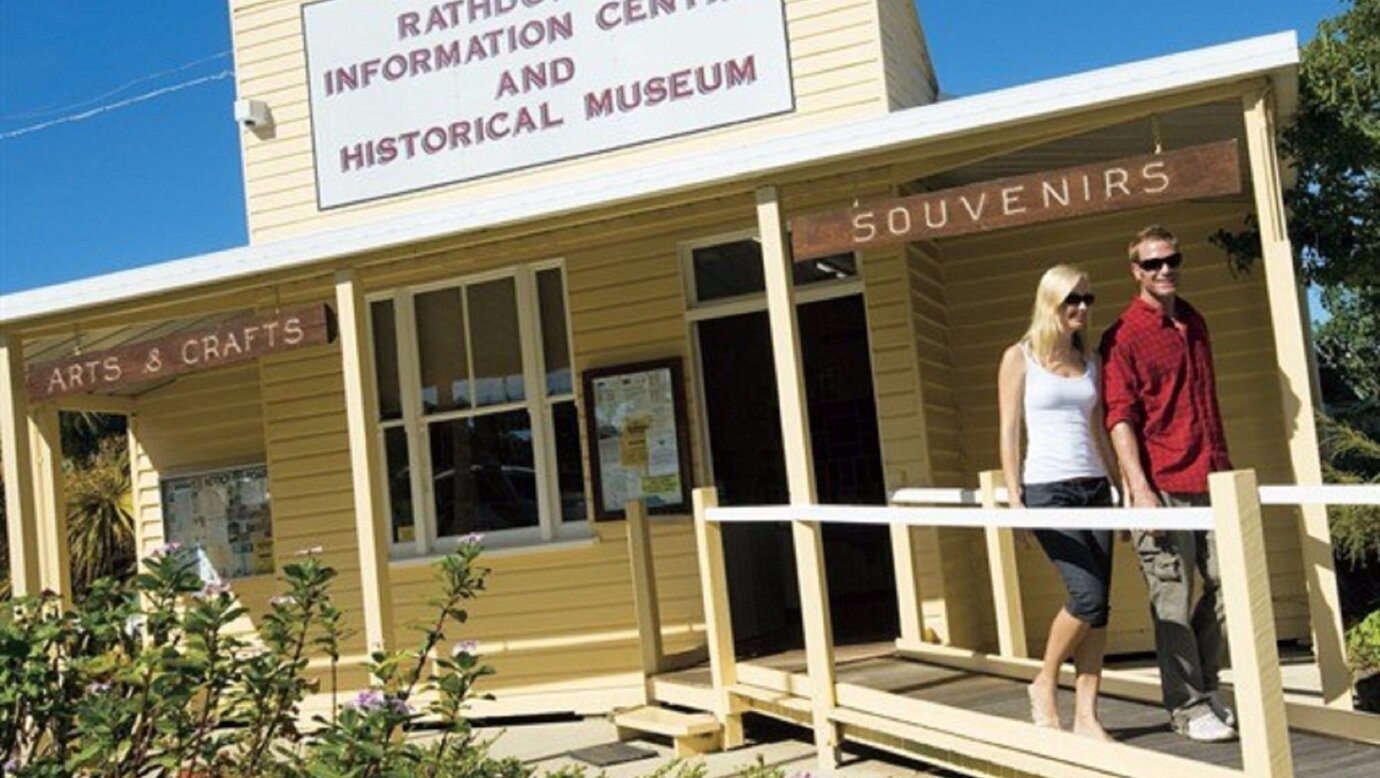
149,677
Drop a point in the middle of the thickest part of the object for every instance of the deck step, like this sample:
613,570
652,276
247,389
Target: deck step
691,733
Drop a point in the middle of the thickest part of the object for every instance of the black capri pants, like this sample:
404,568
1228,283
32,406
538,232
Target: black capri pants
1082,557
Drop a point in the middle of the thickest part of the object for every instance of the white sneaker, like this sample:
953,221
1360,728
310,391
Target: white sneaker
1227,715
1207,728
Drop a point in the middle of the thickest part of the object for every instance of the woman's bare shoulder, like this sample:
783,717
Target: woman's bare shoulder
1013,358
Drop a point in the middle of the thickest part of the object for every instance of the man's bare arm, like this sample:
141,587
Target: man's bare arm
1132,473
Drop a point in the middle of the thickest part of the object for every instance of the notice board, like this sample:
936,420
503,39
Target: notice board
224,516
637,430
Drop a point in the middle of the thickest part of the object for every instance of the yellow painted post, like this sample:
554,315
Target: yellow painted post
55,558
909,593
1006,576
20,513
366,466
800,476
1259,690
1293,357
644,593
718,620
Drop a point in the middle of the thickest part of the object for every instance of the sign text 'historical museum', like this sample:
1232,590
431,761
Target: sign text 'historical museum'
407,95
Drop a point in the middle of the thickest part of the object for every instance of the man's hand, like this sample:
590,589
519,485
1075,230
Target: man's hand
1144,497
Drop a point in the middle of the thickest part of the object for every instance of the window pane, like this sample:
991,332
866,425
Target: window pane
441,343
570,470
732,269
728,270
832,268
399,485
555,342
483,474
386,360
497,345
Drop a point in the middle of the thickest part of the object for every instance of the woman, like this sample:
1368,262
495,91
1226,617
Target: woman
1050,380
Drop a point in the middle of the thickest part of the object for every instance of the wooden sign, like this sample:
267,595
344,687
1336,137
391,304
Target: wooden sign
1135,182
237,340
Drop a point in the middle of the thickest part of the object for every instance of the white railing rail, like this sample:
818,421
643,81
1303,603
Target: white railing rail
1032,518
1324,494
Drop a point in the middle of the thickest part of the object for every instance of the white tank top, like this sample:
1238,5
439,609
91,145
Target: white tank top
1058,424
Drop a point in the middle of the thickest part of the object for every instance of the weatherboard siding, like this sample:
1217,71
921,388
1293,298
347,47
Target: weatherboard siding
843,68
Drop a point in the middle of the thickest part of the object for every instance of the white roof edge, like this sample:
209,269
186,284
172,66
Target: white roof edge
1042,99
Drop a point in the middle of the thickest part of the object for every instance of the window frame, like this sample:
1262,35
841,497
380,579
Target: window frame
750,302
539,404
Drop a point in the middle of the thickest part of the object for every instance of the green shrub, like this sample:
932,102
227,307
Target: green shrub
144,677
1363,644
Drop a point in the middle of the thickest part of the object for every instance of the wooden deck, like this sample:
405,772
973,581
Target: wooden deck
776,686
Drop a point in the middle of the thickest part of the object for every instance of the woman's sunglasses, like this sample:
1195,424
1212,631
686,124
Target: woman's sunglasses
1074,299
1153,265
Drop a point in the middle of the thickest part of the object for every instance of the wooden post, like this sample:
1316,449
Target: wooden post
366,466
718,621
1292,355
800,475
21,518
54,549
909,593
1258,688
644,594
1006,576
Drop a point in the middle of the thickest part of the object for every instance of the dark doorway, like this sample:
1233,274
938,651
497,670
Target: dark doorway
749,469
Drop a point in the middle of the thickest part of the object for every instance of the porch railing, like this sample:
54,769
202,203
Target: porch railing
1264,711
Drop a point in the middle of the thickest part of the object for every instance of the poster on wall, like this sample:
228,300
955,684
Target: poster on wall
412,94
638,431
223,517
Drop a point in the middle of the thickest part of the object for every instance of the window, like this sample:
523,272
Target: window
729,268
477,411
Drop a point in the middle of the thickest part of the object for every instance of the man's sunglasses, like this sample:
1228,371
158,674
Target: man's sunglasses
1074,299
1153,265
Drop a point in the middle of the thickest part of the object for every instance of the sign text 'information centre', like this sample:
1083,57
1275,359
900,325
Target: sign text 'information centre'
407,95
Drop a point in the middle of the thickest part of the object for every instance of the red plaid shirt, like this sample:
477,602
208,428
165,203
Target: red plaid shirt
1158,377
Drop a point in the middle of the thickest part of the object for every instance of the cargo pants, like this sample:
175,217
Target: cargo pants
1188,635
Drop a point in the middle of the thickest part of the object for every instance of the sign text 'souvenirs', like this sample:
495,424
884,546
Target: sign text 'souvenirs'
237,340
1200,171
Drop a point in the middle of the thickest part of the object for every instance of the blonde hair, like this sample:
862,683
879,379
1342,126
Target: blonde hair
1046,325
1153,232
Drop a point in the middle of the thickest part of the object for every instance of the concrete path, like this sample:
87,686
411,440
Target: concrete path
544,745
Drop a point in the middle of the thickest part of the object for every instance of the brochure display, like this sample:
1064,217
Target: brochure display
224,516
637,430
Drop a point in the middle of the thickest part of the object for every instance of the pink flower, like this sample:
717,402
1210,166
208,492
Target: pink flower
472,539
464,647
212,590
167,549
373,700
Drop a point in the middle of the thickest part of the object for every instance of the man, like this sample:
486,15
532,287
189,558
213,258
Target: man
1162,413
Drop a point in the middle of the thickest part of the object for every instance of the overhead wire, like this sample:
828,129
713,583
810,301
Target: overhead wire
37,112
222,75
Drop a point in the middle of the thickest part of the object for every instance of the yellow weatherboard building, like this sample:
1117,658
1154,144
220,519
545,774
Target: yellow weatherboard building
551,241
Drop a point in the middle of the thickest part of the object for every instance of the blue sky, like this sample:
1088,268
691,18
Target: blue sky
160,179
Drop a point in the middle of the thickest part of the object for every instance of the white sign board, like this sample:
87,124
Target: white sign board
408,94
